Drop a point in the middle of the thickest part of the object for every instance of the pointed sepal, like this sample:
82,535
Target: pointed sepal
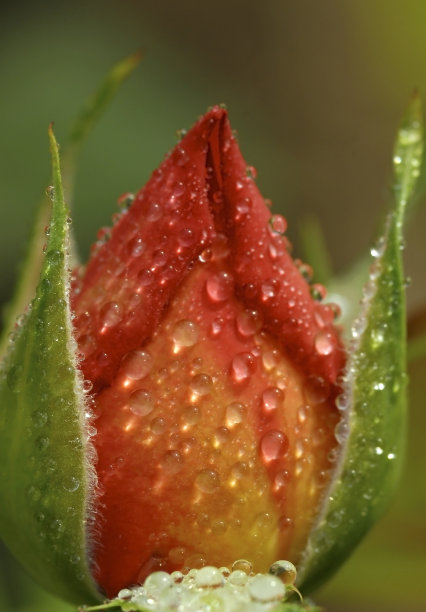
373,403
45,478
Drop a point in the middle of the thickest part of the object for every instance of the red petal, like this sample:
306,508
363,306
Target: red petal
201,187
149,276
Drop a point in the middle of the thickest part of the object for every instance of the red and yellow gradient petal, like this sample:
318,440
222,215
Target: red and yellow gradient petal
213,369
212,446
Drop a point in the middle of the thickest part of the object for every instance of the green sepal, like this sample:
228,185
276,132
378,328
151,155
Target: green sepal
373,404
46,481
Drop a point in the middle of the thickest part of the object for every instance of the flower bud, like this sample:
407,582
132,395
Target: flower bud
185,401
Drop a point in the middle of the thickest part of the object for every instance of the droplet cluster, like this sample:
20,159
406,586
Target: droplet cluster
210,588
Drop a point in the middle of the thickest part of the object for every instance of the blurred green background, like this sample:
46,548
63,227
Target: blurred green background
315,89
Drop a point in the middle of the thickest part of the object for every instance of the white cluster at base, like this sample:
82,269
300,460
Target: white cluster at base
209,589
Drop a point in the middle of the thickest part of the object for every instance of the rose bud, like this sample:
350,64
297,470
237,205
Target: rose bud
186,399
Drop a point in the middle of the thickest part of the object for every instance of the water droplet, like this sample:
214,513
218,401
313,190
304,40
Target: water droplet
235,414
316,390
278,224
126,200
209,577
323,343
207,481
318,292
141,402
251,172
39,418
265,588
249,322
220,286
87,386
243,206
341,431
273,445
269,289
158,426
281,480
217,326
185,333
159,258
205,255
42,442
201,384
238,577
342,401
154,212
242,366
136,364
156,583
221,435
137,247
110,315
34,494
284,570
191,416
270,359
171,461
272,398
176,556
145,277
242,565
71,484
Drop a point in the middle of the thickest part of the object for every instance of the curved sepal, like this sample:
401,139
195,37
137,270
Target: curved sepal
45,478
373,403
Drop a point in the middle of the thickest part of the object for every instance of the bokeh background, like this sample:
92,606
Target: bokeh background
315,89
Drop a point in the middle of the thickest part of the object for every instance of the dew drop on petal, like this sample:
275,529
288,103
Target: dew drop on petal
269,289
219,286
323,343
242,366
234,414
316,389
285,570
137,247
156,583
141,402
185,333
171,461
153,212
186,237
264,588
278,224
201,384
273,444
270,359
217,326
272,397
249,322
209,577
207,481
110,315
136,364
158,426
242,565
238,577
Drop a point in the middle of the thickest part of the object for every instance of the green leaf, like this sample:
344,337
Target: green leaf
45,478
83,125
373,404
